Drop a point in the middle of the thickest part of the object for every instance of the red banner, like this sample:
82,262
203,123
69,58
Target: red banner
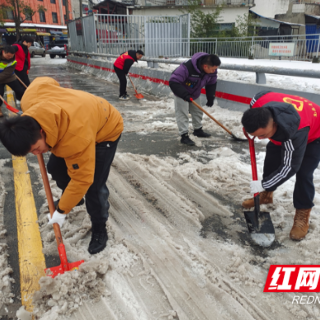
293,278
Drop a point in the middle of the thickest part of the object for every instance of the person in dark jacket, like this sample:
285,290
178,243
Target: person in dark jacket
186,83
292,123
122,65
7,75
23,58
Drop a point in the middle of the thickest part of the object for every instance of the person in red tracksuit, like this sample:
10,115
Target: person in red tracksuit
23,58
122,66
292,123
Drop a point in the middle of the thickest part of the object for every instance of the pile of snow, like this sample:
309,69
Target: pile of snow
38,61
65,293
6,297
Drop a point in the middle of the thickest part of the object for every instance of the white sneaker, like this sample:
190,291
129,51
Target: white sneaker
124,97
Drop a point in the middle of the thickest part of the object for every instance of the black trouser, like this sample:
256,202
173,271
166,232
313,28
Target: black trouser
123,81
304,189
23,77
15,86
97,195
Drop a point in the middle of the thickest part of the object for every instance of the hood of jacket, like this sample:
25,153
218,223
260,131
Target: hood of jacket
195,58
132,54
287,119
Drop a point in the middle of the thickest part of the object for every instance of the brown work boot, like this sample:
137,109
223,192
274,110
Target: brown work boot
265,198
1,114
300,224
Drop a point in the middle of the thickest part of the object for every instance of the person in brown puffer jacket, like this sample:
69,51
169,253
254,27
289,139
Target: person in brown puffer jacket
7,75
82,132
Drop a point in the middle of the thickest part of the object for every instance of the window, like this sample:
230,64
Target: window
27,15
54,17
52,1
8,14
225,26
42,16
65,18
64,2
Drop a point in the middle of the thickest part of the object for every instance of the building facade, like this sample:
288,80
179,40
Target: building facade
271,7
231,9
42,26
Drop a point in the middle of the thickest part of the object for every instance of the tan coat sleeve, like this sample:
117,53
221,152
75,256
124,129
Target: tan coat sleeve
81,168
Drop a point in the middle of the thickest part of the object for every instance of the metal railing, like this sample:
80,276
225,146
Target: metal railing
186,2
259,70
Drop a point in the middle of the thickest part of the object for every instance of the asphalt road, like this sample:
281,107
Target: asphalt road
163,143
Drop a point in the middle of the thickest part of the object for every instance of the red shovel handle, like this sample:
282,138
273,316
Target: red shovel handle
252,157
12,109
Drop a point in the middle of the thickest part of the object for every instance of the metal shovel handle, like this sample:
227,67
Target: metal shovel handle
133,85
212,118
47,189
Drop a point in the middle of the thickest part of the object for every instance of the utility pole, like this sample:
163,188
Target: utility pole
67,11
81,9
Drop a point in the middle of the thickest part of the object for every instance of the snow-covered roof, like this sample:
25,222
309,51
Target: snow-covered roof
312,16
35,25
279,21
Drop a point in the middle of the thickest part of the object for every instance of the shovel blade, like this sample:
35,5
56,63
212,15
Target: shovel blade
139,96
54,271
260,227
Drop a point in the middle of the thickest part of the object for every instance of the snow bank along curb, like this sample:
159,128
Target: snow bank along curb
233,94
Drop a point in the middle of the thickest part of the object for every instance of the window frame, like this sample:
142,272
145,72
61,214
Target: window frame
44,16
56,17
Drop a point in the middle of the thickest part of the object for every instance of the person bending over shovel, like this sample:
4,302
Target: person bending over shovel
292,123
7,76
186,83
82,132
121,67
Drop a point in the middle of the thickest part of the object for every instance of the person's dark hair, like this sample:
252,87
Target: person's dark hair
19,133
27,39
211,60
10,49
254,119
140,52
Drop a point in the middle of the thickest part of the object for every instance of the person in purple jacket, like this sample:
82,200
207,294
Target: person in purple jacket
186,83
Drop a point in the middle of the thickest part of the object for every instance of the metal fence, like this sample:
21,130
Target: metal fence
187,2
291,47
114,34
170,37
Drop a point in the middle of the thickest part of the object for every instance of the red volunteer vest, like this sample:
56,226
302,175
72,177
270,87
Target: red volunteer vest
119,63
21,57
308,111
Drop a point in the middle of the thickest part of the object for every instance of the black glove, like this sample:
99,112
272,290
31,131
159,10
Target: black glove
210,102
188,98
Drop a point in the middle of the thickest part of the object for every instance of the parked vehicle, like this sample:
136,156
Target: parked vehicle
37,49
58,43
57,51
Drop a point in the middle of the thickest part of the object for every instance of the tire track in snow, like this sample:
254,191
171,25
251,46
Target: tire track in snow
167,258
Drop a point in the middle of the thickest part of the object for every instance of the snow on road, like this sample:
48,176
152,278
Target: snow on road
165,259
178,245
38,60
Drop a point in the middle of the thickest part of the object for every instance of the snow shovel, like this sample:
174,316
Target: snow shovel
137,95
21,82
259,223
12,109
217,122
65,265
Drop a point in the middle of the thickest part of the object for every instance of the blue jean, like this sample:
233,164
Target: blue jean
97,195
